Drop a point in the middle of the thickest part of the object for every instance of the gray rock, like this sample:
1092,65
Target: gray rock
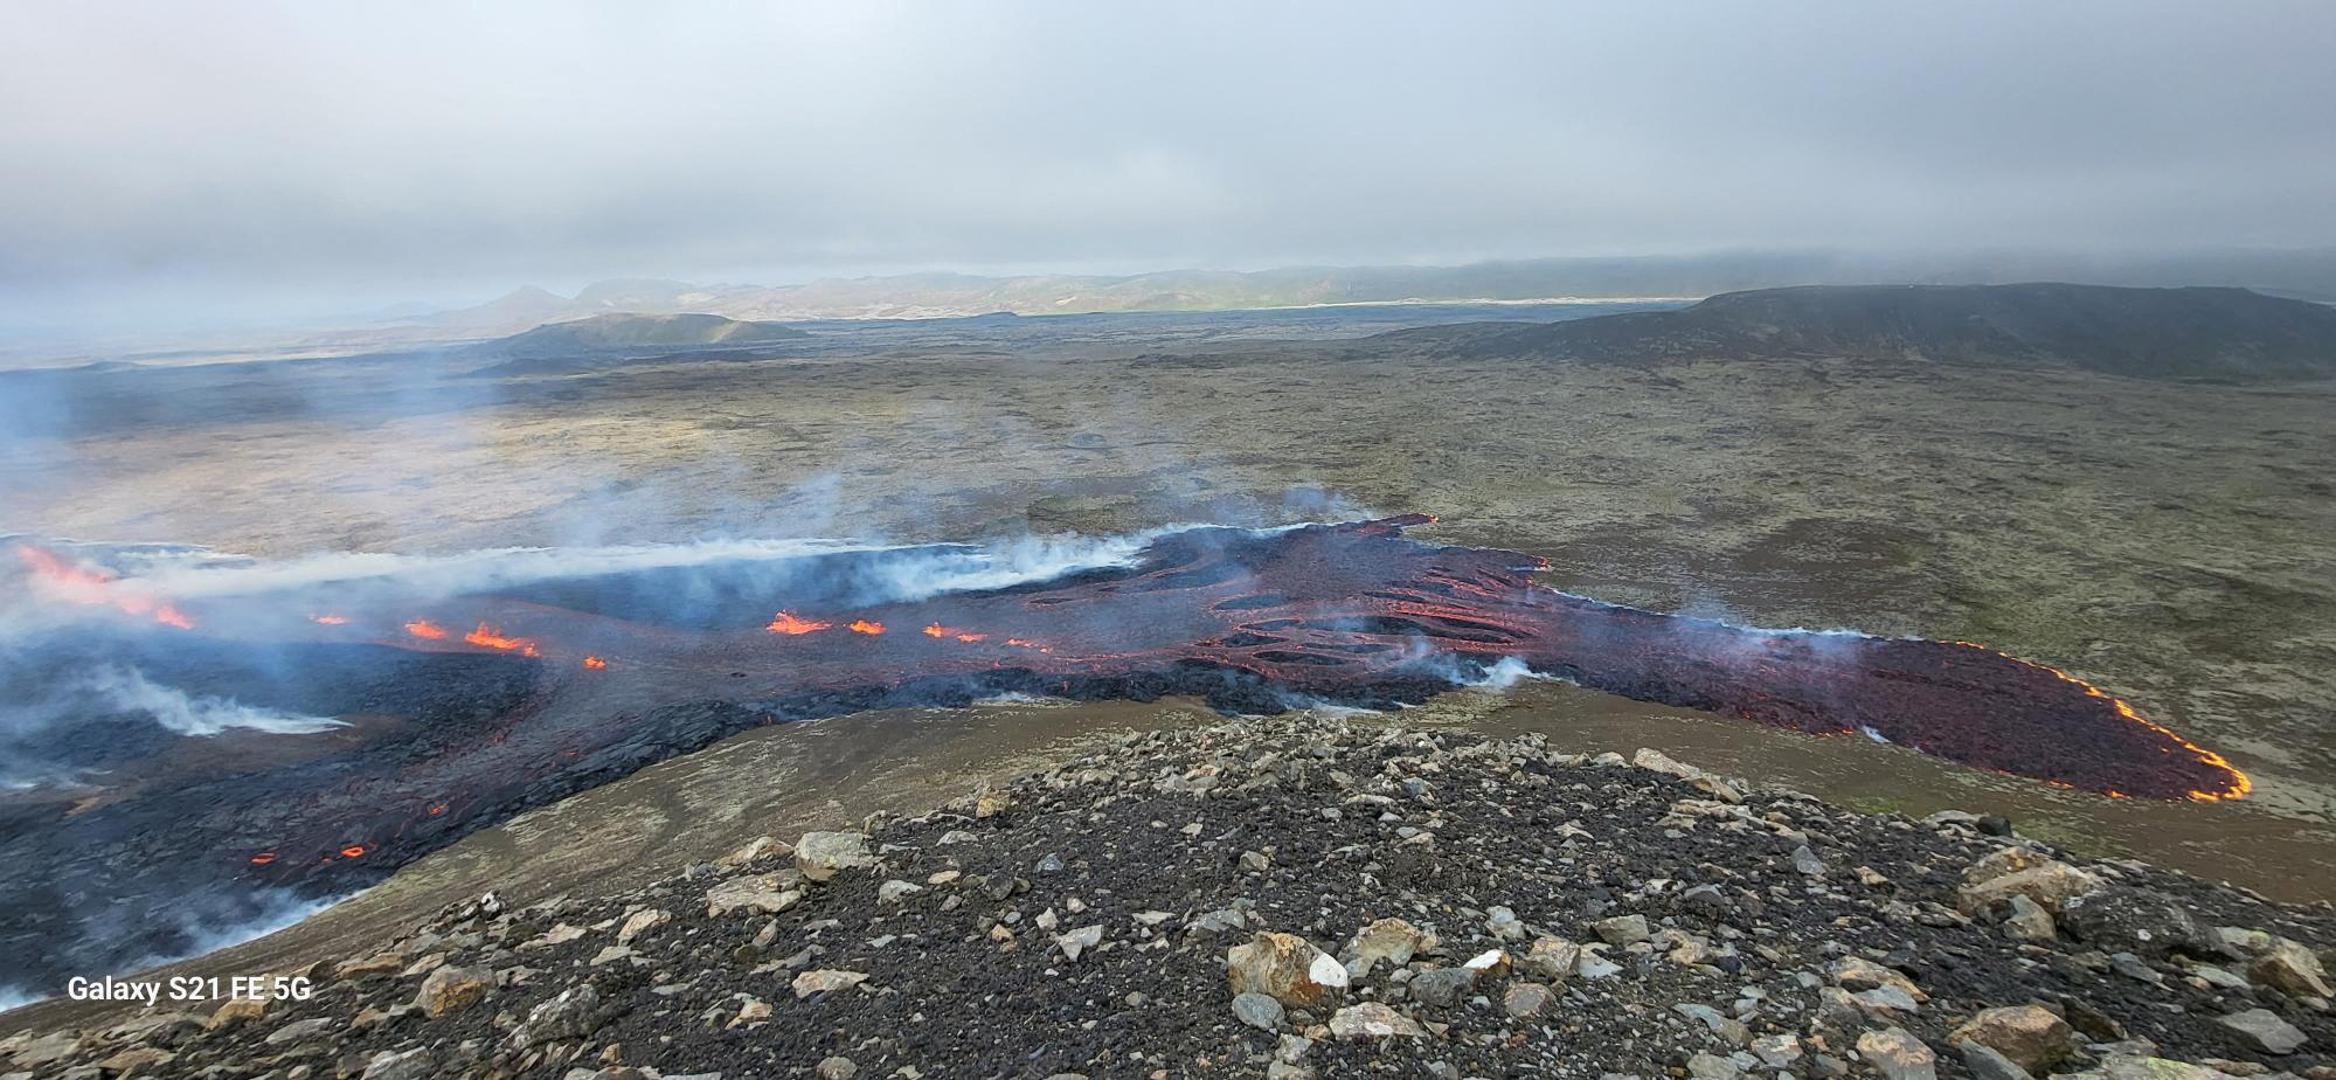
2029,921
1898,1055
1258,1010
1372,1020
1986,1064
1527,1000
822,855
1719,1023
837,1068
1441,987
573,1013
2122,918
1807,862
415,1064
2265,1031
1622,929
1704,1066
298,1031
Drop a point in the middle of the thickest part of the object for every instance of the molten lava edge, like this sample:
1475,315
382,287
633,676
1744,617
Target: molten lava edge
541,701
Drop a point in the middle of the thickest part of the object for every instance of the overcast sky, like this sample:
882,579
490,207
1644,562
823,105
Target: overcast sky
267,155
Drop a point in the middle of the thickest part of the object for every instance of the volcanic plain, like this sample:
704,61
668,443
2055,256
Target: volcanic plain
2166,539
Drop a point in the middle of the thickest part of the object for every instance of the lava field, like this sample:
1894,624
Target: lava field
485,705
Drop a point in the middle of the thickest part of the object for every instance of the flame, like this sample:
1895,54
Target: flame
263,858
437,809
936,630
329,620
426,630
594,663
2241,783
489,637
75,584
787,622
865,626
353,851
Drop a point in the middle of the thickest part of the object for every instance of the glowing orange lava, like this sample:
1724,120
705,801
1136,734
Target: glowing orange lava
864,626
594,663
787,622
59,579
263,858
2240,785
426,630
936,630
488,637
352,851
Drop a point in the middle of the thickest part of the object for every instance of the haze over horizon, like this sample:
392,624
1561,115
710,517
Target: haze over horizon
270,161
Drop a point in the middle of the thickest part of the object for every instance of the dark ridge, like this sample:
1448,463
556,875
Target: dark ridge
588,343
2203,334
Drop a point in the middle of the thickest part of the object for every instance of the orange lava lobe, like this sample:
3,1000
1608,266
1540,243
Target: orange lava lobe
936,630
329,620
488,637
353,851
594,663
437,809
263,858
426,630
2237,788
787,622
864,626
58,579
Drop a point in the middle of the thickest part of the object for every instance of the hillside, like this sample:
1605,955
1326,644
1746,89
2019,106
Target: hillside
2220,334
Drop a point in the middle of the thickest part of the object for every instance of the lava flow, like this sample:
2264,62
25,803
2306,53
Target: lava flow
558,690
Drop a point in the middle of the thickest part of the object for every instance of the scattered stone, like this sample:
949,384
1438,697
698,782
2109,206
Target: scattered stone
2122,918
764,894
2030,1036
1897,1055
752,1013
896,891
1441,987
1258,1010
1392,940
1987,1064
1079,941
826,980
1777,1051
641,922
837,1068
820,856
2029,921
452,989
1527,1000
294,1033
1372,1020
1285,967
1622,929
2292,968
2050,883
1551,959
1807,862
573,1013
2265,1031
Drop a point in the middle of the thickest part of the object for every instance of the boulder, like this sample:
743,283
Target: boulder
2121,918
1258,1011
1527,1000
570,1014
2030,1036
641,922
1441,987
1622,929
2291,967
2050,884
1897,1055
451,989
1284,967
756,894
823,855
2263,1030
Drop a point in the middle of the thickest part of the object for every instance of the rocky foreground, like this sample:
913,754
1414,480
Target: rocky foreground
1297,898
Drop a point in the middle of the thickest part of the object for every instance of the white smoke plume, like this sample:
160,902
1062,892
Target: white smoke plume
126,689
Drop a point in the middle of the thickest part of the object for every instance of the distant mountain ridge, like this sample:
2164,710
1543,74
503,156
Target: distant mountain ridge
932,295
2197,333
